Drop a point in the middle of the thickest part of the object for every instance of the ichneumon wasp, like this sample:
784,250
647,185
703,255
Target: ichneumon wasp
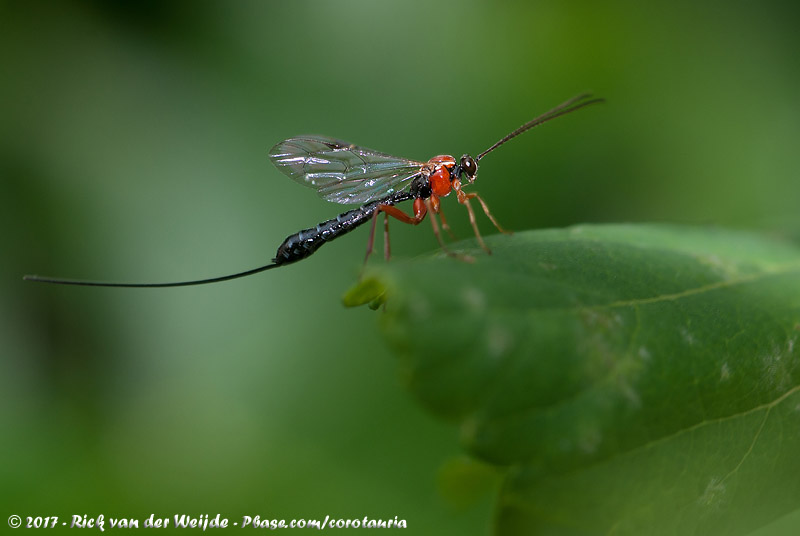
351,175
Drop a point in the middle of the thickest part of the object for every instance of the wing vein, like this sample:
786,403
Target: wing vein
342,172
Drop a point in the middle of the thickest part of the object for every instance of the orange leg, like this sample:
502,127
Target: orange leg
430,206
464,200
390,210
445,225
474,224
421,208
387,252
485,208
371,240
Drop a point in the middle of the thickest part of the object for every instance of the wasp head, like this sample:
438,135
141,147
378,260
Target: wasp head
468,167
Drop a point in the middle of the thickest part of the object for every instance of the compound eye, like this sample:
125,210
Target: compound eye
468,165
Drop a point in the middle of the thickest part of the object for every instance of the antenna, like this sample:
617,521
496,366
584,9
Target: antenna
57,281
562,109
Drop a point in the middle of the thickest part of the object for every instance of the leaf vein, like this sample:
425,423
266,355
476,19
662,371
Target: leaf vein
782,270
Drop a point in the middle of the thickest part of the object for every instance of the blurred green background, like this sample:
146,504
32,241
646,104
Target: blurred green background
133,146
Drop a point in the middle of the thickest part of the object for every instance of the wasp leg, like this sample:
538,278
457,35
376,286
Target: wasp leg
371,240
430,207
394,212
389,210
485,208
464,198
445,225
387,250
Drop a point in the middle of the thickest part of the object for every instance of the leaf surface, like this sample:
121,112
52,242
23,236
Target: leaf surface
632,379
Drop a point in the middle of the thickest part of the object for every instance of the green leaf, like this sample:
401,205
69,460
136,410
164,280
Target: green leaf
368,291
633,379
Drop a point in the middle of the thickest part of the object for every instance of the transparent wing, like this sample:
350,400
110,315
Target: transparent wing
342,172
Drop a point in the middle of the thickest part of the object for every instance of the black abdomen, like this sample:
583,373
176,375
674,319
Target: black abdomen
300,245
